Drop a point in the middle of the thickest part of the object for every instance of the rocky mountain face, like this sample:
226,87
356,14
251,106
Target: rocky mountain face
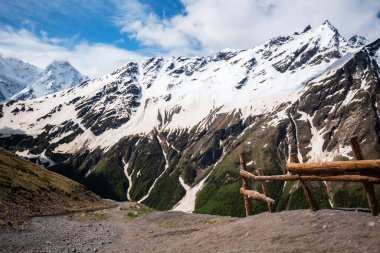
22,81
167,132
358,41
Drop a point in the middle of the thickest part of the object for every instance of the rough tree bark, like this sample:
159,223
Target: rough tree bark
368,187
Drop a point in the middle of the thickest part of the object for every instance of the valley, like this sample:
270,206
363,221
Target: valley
167,132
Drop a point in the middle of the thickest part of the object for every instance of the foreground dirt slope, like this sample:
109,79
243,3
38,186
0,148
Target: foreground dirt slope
28,190
115,230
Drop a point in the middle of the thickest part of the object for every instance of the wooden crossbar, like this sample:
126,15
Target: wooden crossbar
289,177
256,196
372,166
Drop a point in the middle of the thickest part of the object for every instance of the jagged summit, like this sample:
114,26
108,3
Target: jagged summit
18,69
327,25
15,75
20,80
327,22
307,28
322,28
57,64
57,76
358,41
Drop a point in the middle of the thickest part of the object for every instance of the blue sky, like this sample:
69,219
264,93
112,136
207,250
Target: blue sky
92,20
97,36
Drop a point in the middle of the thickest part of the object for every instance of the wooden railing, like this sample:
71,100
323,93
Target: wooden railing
365,171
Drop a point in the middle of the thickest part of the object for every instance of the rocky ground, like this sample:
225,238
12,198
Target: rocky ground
134,228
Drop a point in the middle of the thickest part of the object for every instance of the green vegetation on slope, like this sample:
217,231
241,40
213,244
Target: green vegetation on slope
221,195
149,161
166,193
351,195
108,180
224,200
29,190
297,199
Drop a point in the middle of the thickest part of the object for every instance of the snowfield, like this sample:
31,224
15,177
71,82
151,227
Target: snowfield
188,89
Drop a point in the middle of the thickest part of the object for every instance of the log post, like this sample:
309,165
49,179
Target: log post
264,186
306,188
247,201
356,148
368,187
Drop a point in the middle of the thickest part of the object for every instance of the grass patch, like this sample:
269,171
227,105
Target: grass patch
131,215
213,221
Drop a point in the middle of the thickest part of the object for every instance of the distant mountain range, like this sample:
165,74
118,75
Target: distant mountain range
21,81
167,131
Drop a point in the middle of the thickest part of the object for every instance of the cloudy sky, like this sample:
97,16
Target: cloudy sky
97,36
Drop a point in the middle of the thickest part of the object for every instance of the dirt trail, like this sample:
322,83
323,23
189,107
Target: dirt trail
113,230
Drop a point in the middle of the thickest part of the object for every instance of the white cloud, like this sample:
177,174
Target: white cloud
93,60
142,24
210,25
205,27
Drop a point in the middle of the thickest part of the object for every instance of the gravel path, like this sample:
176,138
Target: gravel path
57,234
113,230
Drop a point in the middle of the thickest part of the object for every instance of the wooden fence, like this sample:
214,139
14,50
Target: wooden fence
365,171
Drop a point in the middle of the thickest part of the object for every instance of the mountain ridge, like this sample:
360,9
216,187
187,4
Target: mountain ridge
170,130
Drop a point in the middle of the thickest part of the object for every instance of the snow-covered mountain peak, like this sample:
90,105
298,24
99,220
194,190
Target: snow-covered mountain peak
20,80
326,29
358,41
62,69
15,75
327,23
18,70
178,92
59,64
228,50
57,76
